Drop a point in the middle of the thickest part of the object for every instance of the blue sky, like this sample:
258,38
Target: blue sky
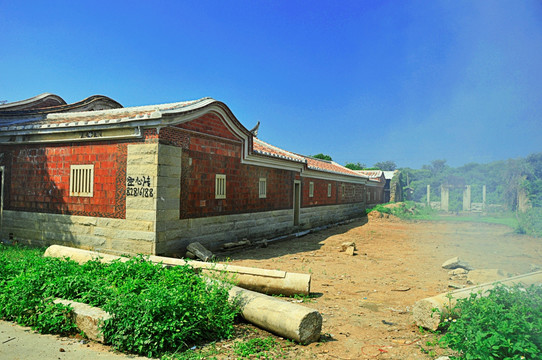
362,81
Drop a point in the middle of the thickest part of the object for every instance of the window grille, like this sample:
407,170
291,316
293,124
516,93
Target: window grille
311,189
82,180
220,186
263,188
328,190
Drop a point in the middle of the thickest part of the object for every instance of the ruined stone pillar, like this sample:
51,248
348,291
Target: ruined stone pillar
484,197
466,198
444,198
428,195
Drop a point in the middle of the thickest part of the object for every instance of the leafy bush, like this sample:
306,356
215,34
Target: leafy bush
404,210
507,324
155,310
530,222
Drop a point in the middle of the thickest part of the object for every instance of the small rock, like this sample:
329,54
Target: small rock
347,244
350,251
455,286
455,263
458,271
443,358
62,350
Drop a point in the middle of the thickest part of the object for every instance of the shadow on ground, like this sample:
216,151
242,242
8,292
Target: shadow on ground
291,246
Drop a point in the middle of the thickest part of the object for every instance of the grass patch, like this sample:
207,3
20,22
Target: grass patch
155,310
507,219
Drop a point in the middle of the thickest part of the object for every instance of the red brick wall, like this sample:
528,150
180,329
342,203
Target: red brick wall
38,177
210,124
352,192
205,155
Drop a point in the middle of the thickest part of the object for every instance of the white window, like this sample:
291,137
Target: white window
82,180
263,188
328,190
311,189
220,186
343,190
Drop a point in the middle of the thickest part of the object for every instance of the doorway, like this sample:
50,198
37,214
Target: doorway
297,201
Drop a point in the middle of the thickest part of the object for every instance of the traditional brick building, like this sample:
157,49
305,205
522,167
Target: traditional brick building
152,179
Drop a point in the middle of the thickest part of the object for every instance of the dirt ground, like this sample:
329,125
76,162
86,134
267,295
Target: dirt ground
366,299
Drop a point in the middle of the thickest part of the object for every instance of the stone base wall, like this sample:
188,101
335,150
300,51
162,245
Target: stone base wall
92,233
215,231
323,215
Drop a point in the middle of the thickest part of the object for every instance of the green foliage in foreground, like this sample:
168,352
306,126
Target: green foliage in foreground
530,222
156,310
507,324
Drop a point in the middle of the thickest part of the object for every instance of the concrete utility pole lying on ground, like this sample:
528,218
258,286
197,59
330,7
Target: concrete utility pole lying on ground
292,321
274,282
429,311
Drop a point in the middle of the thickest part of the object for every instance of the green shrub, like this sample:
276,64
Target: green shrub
405,210
530,222
507,324
155,310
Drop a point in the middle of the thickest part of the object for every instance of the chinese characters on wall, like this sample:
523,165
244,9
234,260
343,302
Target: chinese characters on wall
139,186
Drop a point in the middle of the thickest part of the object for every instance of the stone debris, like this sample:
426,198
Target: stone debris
458,271
346,245
236,244
350,250
200,251
455,263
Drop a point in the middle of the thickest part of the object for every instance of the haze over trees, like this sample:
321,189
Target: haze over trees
503,179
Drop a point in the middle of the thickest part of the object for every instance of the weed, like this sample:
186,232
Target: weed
507,324
256,348
155,310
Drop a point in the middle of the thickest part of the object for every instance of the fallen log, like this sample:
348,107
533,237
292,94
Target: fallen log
428,312
266,281
291,321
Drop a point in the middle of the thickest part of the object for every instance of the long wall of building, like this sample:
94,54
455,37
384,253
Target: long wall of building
158,193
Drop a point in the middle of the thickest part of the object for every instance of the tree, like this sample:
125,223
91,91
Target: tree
323,157
386,165
356,166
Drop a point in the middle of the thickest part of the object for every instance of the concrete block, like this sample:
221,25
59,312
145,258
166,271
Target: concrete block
137,149
135,170
138,214
140,203
132,247
87,318
169,171
142,159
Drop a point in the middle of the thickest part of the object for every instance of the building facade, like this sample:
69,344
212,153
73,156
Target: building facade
153,179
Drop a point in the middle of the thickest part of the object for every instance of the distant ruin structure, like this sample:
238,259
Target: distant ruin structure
468,205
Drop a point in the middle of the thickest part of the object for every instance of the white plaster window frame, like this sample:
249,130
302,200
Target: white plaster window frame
220,186
311,189
82,180
262,188
328,190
